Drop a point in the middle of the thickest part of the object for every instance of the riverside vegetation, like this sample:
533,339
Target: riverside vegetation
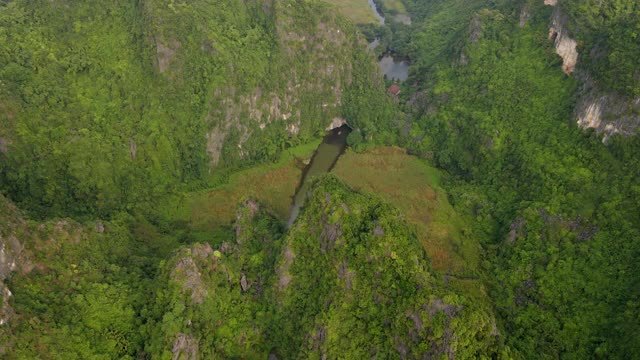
149,152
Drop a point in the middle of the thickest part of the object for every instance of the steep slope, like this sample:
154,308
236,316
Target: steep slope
71,291
212,302
349,279
556,209
107,105
599,41
354,281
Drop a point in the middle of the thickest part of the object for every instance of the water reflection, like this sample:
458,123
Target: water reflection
394,70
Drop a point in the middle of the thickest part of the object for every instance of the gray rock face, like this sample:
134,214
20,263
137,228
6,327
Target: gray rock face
12,258
566,47
188,274
244,284
3,146
185,347
336,123
607,112
10,249
525,14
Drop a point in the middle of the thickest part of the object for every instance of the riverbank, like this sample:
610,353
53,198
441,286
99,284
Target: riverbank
323,160
403,180
210,213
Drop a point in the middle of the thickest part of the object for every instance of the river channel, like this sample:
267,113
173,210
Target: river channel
323,160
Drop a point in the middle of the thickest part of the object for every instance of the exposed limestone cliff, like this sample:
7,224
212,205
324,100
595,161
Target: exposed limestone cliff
12,255
293,88
288,107
336,123
525,15
606,111
566,47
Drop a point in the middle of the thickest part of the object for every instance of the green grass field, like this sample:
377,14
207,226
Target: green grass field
360,13
414,187
210,213
357,10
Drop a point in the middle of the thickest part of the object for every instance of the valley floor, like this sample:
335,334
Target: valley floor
406,182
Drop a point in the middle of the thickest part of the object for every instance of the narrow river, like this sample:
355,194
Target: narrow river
375,10
323,160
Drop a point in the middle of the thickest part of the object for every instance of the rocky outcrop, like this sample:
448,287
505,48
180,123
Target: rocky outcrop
608,113
166,51
12,254
566,47
525,15
336,123
475,29
187,273
478,22
185,347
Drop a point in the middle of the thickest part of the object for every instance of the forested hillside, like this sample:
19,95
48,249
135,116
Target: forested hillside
108,106
348,280
150,149
558,210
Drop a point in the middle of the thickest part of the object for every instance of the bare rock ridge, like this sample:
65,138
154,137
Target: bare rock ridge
185,347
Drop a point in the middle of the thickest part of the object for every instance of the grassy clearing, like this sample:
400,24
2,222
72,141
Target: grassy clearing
403,180
357,10
210,213
413,186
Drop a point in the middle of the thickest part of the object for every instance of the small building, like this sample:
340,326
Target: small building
394,90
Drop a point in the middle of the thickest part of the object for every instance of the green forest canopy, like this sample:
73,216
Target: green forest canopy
93,126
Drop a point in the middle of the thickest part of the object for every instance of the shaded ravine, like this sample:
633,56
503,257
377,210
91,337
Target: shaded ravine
323,160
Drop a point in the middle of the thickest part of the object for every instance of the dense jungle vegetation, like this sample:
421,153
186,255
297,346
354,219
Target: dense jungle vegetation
111,106
149,150
556,211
